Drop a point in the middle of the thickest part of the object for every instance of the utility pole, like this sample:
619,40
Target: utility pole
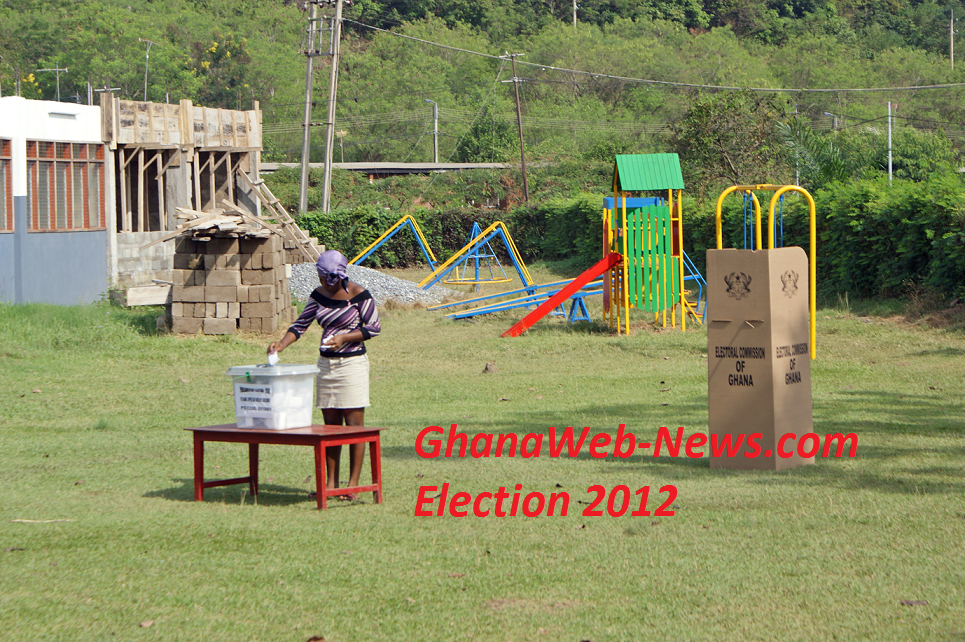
310,53
435,130
519,122
574,14
889,143
106,89
147,57
330,119
58,70
951,39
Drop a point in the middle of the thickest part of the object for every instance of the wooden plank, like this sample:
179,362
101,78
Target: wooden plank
220,162
194,224
186,123
254,128
189,214
129,190
161,214
231,179
176,154
129,159
141,209
197,180
107,126
125,220
212,188
147,295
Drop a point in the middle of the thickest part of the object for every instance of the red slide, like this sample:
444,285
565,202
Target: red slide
575,285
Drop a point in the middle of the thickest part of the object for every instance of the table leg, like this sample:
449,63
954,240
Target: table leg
253,468
375,456
198,468
320,475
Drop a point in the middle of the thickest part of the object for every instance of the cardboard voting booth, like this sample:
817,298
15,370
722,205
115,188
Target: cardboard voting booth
759,370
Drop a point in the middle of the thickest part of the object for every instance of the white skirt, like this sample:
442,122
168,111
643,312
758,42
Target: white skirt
342,382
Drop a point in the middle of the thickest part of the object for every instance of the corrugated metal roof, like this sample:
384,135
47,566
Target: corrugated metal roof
641,172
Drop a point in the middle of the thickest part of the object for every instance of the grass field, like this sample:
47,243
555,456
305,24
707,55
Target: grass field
100,537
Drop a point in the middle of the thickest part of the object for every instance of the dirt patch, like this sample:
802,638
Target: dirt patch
947,319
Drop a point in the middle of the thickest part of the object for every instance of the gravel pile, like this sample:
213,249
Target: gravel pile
383,287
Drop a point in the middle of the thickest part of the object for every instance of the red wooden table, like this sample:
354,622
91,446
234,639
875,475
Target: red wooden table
319,437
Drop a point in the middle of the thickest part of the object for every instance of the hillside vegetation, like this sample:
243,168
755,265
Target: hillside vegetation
745,91
228,54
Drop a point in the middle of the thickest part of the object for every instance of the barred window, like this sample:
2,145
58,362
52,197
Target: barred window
65,186
6,186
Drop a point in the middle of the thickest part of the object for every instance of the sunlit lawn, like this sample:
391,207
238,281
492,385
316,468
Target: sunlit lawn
100,537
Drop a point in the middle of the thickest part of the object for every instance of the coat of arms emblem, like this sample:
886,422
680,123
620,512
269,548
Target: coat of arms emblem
789,279
738,285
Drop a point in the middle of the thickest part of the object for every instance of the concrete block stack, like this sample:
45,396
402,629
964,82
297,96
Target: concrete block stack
293,256
224,285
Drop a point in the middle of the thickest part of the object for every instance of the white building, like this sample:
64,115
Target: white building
84,188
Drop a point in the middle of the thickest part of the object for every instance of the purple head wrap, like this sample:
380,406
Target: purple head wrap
331,266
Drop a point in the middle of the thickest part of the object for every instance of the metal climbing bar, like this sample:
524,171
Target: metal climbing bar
389,233
528,300
497,228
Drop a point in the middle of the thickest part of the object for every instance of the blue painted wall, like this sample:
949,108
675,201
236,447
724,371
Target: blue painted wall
67,268
6,268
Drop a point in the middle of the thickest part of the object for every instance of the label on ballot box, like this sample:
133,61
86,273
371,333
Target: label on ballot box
274,397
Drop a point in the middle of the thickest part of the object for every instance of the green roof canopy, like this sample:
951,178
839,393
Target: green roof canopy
643,172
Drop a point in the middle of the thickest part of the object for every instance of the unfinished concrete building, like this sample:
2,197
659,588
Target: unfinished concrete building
91,195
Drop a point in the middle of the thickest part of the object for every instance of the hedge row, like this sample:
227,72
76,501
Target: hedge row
563,230
874,239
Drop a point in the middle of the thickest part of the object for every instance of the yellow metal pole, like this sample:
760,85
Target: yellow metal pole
624,285
614,302
720,202
680,244
421,236
757,221
664,271
812,257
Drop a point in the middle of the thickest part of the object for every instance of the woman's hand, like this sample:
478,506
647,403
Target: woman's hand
287,340
334,342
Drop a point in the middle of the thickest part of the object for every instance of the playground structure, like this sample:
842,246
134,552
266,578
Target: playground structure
648,234
406,220
605,265
772,234
478,249
477,252
643,266
530,296
479,255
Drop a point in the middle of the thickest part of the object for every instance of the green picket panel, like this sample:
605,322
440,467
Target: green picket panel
653,274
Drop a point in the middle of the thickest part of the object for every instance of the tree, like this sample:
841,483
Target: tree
816,159
730,138
490,139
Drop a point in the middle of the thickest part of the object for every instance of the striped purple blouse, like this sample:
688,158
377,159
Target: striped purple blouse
340,317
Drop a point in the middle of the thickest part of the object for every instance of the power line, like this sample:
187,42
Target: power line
666,83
